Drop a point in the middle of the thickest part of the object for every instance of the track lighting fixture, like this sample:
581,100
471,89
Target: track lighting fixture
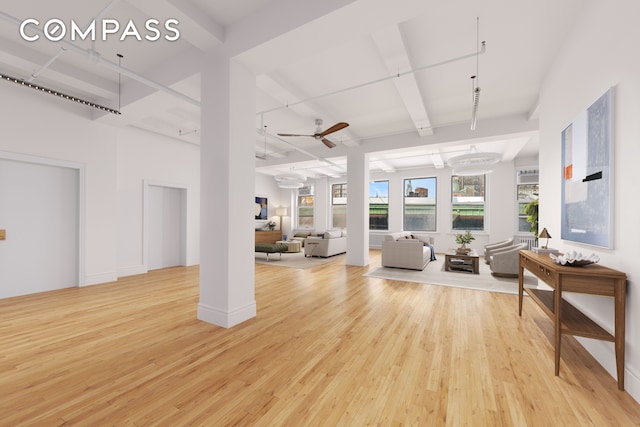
59,94
475,102
475,80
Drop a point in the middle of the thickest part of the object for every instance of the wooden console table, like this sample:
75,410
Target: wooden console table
591,279
268,236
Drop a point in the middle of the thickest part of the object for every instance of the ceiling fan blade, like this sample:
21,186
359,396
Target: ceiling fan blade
293,134
334,128
328,143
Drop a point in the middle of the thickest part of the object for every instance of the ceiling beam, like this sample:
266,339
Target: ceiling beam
394,55
311,109
196,26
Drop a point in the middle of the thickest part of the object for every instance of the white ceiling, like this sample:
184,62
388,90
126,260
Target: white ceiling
341,65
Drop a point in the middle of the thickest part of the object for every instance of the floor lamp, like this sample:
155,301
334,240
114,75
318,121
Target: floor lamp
280,212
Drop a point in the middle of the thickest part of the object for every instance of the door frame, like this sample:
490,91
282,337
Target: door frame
81,169
146,211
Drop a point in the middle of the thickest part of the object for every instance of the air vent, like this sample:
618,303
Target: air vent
307,190
528,176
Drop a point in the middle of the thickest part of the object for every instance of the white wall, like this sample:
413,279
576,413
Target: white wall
164,161
601,52
116,160
41,125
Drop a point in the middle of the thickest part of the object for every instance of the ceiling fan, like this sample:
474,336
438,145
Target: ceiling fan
320,134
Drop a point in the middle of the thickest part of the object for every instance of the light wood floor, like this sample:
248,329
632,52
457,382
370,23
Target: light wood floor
328,347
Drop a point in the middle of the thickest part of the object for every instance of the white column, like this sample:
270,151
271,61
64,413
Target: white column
321,204
357,208
227,169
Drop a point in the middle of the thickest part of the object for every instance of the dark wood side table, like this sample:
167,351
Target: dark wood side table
469,262
593,279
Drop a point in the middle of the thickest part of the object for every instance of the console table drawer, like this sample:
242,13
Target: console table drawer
539,270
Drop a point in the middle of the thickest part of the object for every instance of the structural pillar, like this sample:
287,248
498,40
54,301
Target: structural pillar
227,182
357,207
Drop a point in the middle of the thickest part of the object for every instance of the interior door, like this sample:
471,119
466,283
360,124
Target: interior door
39,211
166,227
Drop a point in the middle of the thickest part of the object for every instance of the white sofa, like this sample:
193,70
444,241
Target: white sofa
330,244
406,250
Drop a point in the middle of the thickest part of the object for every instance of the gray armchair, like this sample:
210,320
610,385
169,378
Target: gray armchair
496,246
505,262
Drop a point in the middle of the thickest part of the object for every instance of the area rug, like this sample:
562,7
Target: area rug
434,274
294,260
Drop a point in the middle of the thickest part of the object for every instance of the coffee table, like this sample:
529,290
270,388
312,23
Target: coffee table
293,246
456,262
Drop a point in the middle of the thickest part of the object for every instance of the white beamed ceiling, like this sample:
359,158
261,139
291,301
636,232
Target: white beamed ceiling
343,46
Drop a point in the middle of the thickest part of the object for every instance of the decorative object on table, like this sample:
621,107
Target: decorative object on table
574,258
284,237
463,240
271,225
545,235
587,175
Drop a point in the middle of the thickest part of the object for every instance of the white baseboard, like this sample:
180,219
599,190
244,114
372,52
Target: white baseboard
226,319
96,279
604,353
132,271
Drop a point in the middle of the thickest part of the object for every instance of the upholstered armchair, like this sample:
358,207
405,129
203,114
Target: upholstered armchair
495,246
505,262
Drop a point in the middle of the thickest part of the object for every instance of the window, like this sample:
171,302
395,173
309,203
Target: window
379,205
526,194
339,205
305,207
419,204
467,202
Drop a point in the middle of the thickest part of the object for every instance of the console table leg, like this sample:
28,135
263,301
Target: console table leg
557,308
620,297
520,288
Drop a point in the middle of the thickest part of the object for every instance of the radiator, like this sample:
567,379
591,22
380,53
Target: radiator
530,240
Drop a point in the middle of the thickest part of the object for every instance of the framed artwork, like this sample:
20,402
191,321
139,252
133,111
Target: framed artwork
262,208
587,175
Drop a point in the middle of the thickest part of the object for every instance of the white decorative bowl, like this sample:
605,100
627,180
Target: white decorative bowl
574,259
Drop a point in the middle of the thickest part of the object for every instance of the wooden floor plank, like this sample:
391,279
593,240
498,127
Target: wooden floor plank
327,347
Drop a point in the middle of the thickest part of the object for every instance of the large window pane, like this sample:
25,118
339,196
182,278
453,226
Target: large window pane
468,217
419,213
526,194
379,205
339,205
467,202
305,208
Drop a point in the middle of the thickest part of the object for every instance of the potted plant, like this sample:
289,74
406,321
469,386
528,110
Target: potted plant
531,210
271,224
463,240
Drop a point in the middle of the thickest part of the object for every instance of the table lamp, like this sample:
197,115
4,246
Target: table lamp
545,235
